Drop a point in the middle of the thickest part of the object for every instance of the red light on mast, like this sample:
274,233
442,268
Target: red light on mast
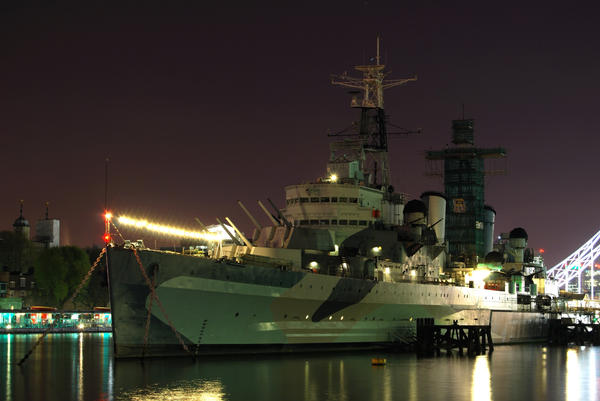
542,250
107,217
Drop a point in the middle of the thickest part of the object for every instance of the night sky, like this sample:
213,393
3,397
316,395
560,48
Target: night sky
198,106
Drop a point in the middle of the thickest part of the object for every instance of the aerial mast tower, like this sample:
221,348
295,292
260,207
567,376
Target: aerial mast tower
372,134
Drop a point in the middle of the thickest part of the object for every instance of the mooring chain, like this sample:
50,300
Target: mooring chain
148,316
117,230
51,326
85,279
155,296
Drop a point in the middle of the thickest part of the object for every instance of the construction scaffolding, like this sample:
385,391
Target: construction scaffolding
463,174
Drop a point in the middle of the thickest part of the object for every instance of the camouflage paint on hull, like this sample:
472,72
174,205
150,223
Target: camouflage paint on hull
221,307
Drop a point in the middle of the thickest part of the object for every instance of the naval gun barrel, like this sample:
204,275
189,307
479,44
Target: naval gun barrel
201,224
233,238
269,215
239,233
279,214
254,221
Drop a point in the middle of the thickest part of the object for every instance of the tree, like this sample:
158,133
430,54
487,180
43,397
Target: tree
97,289
58,271
16,252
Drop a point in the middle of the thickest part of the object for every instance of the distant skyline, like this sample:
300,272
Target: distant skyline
198,106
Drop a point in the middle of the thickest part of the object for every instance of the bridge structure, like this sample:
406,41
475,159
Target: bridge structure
576,265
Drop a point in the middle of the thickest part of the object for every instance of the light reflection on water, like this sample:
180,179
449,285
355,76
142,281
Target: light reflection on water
80,367
8,376
191,390
481,387
573,376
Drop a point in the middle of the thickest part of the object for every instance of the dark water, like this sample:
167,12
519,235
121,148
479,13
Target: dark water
80,367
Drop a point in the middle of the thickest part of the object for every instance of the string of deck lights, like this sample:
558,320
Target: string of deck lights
143,224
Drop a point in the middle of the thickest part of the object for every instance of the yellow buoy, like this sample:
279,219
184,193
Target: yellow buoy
378,361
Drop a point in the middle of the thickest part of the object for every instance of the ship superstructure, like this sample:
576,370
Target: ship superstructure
351,221
356,191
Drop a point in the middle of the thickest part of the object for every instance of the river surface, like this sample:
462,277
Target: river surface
81,367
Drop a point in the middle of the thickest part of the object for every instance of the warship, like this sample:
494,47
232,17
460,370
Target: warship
348,262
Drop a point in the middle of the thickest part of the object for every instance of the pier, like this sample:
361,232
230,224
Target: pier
38,321
565,332
472,339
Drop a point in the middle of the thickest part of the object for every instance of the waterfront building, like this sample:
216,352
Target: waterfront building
21,225
16,284
47,231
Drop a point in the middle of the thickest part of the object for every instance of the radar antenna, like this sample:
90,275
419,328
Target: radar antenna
372,83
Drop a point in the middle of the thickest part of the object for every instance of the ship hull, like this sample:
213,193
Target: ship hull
219,308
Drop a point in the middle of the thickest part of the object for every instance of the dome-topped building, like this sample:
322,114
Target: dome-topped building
21,225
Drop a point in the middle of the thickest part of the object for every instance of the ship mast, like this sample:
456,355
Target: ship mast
372,127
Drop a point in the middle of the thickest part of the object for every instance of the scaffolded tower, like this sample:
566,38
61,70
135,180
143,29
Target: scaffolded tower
464,172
